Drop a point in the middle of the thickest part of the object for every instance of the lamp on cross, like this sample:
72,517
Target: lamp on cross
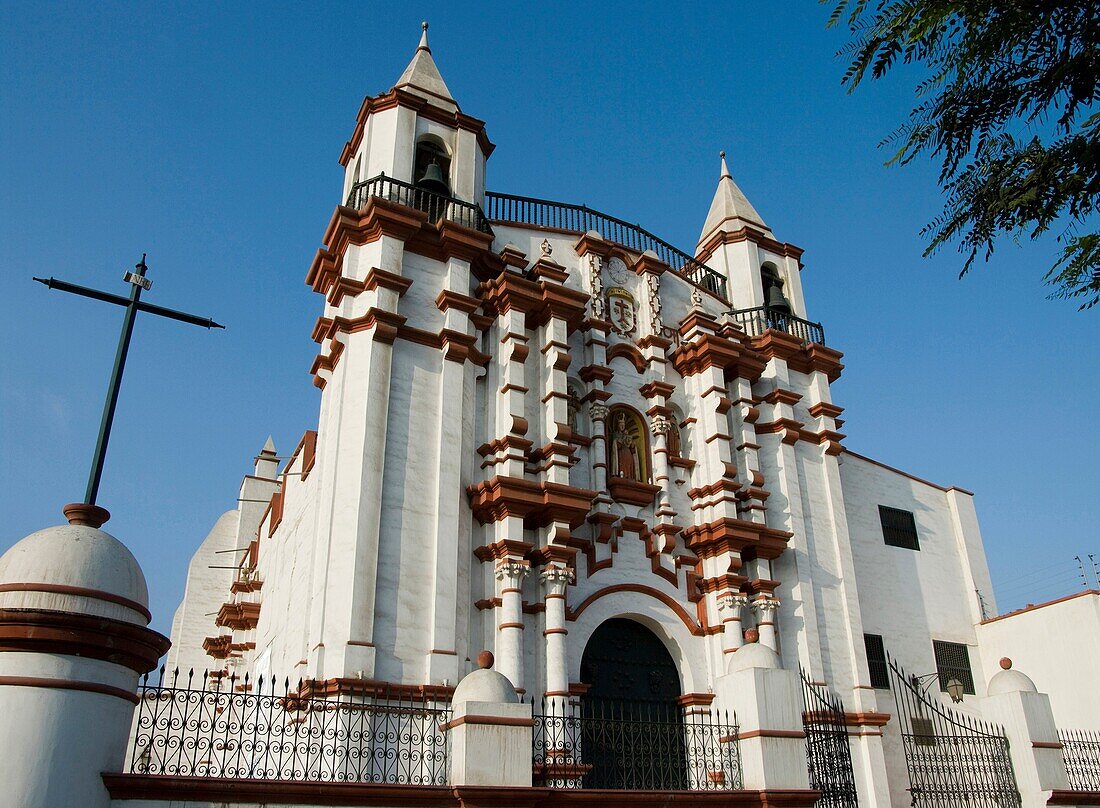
133,304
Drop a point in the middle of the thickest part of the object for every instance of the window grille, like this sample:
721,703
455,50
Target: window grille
899,528
953,662
876,661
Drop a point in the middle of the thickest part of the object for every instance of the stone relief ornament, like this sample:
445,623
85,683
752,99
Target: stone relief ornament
660,425
546,249
597,411
622,311
617,270
595,286
696,298
653,284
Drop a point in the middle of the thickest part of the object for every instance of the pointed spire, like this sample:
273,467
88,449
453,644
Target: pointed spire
269,445
730,210
422,77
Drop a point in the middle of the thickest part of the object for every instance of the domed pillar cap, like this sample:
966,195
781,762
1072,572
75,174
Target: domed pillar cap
485,685
752,655
1007,680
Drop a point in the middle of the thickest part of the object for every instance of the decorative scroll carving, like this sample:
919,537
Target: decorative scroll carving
595,286
653,284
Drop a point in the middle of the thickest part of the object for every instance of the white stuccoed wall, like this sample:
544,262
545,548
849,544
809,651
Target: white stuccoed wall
1058,646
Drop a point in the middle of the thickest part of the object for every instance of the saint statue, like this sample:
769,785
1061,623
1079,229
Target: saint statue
626,464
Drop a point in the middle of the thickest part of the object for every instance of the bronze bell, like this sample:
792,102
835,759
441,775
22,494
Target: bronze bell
776,299
433,180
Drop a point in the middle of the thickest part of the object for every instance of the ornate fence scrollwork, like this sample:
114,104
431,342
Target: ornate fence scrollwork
828,754
214,726
1081,749
621,745
953,759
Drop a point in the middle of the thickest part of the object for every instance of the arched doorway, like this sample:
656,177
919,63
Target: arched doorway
633,733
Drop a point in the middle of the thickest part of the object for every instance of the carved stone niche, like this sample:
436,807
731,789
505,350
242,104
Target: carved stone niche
632,492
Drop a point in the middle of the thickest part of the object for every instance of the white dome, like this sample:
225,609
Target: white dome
485,685
753,655
64,559
1010,681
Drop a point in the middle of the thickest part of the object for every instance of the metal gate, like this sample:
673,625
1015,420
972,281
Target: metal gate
953,759
828,755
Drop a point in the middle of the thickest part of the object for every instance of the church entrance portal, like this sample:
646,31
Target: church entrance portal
634,733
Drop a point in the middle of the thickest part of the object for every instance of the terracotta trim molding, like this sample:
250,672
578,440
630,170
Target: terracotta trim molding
69,684
1065,797
79,592
276,792
488,720
771,733
135,647
1034,606
642,589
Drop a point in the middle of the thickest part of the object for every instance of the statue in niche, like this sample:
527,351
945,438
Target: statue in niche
674,440
624,449
573,406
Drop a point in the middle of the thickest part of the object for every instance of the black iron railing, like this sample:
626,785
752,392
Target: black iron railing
756,321
227,727
953,759
1081,749
635,746
828,754
581,219
437,206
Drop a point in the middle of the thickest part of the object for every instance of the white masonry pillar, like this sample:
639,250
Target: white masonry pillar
730,605
74,615
555,580
510,575
766,609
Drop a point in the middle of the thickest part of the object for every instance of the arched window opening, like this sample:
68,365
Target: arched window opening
628,446
633,688
772,283
432,167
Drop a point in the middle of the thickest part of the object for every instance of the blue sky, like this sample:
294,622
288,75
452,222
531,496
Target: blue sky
208,136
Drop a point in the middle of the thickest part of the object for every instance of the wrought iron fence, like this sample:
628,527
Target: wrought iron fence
828,753
756,321
953,759
635,745
1081,750
213,726
437,206
581,219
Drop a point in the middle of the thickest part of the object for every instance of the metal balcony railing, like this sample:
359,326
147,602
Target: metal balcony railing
437,206
756,321
581,219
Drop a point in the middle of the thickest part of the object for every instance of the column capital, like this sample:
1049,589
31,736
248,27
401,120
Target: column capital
598,411
556,575
732,601
765,606
512,571
660,425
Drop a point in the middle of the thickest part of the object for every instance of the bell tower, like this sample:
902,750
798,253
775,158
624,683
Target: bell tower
735,241
416,133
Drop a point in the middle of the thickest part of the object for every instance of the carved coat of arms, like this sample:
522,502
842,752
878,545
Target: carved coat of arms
622,312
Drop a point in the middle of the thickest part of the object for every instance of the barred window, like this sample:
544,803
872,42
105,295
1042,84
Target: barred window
876,661
899,528
953,662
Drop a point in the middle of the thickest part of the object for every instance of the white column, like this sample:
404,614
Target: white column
766,610
598,413
660,426
729,607
554,581
510,575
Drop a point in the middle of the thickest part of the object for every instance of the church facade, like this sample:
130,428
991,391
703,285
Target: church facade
537,422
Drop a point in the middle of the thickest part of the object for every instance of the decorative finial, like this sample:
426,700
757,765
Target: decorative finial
485,660
752,635
81,513
725,168
1006,663
424,37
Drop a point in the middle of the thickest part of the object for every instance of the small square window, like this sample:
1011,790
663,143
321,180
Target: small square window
953,662
876,661
899,528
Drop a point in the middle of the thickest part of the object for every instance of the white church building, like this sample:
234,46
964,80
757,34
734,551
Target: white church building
549,435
